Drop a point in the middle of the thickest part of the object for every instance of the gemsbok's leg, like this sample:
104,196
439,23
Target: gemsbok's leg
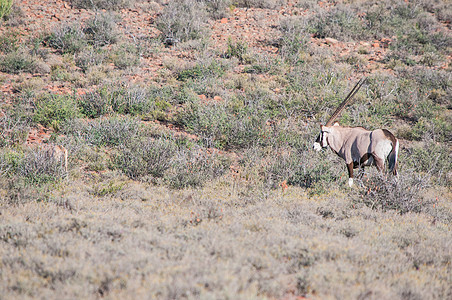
350,174
379,163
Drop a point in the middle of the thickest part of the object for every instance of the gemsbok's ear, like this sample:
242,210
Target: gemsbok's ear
336,124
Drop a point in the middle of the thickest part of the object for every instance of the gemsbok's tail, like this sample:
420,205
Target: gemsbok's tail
392,158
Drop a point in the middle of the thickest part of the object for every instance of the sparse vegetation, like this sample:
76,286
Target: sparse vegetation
191,173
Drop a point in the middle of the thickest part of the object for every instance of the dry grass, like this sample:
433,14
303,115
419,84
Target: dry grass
142,240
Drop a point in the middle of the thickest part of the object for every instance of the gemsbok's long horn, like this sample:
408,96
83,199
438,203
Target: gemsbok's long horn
347,99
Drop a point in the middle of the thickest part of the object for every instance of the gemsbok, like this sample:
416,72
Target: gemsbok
357,146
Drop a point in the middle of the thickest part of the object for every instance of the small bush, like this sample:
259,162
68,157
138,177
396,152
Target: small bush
125,56
317,174
36,166
102,30
221,127
90,57
102,4
53,110
133,100
17,62
40,166
429,158
341,22
183,20
146,157
98,31
123,99
95,104
68,38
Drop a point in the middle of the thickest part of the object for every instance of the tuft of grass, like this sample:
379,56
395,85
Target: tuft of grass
125,56
293,44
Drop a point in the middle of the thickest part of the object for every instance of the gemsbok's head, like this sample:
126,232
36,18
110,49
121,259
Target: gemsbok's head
321,141
357,146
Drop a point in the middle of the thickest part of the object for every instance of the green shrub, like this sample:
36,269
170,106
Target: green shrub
40,166
5,8
53,110
98,31
96,104
182,20
224,127
146,157
429,158
133,100
17,61
317,174
10,162
341,22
